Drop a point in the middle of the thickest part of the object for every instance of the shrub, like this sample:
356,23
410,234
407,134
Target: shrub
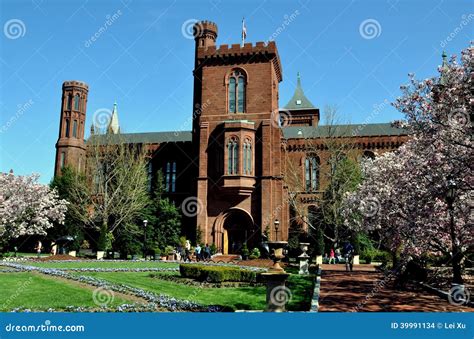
169,250
216,274
255,253
213,249
245,250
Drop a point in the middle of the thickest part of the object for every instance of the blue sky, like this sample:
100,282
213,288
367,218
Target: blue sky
352,54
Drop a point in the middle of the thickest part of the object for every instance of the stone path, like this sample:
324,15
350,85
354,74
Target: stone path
366,290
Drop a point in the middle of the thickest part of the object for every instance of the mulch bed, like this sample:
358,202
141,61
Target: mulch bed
259,263
58,257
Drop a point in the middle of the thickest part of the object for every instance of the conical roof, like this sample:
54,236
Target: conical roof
114,126
299,100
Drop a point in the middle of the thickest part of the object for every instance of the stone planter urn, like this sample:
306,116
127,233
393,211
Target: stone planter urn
277,293
276,254
304,259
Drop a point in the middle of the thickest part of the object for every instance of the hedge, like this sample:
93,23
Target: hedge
216,274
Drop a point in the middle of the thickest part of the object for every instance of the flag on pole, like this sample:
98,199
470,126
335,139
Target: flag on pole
244,32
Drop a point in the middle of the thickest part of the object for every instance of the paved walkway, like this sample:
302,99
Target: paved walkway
366,290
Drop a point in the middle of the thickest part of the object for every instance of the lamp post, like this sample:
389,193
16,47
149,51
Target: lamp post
145,223
277,226
455,253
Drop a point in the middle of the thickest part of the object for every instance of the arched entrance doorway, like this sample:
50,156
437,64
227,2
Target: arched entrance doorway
237,228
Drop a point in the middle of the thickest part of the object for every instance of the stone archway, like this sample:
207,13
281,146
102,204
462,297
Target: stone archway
234,228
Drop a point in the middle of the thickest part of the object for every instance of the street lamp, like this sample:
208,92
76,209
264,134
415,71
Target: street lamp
145,222
456,255
277,226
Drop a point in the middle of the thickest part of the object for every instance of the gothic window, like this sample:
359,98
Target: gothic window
233,156
63,159
247,155
69,102
312,173
170,177
67,128
76,102
237,90
74,129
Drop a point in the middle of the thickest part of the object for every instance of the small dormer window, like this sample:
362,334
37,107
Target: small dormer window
298,102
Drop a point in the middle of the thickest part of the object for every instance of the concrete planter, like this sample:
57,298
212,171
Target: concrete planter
72,253
100,255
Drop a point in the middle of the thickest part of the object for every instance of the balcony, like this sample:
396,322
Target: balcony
238,184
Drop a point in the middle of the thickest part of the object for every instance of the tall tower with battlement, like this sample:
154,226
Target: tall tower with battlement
237,142
70,147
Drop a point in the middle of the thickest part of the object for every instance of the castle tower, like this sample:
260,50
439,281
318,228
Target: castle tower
71,148
238,144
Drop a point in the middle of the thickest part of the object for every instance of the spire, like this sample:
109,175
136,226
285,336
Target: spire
114,126
444,68
299,100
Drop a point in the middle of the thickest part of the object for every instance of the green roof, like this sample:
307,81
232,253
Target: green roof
299,100
151,137
324,131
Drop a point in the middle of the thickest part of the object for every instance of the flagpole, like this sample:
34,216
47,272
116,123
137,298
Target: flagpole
244,32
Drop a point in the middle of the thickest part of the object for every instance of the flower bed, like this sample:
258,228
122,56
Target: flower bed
217,274
155,301
119,269
206,284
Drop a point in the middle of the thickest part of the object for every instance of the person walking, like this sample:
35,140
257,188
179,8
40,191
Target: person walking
349,256
197,251
332,257
38,248
207,252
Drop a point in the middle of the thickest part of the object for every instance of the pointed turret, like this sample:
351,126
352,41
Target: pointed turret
301,111
299,100
114,126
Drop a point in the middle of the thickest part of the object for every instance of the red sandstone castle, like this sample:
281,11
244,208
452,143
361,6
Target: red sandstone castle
234,162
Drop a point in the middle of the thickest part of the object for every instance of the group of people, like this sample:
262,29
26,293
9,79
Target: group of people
200,253
335,256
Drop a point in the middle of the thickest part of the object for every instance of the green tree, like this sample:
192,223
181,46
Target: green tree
164,218
71,186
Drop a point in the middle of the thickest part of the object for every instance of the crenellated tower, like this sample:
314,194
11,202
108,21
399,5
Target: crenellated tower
70,147
237,142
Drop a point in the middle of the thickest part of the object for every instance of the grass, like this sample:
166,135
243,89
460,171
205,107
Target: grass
237,298
103,264
37,292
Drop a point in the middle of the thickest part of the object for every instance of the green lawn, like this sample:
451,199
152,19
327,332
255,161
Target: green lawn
103,264
40,293
237,298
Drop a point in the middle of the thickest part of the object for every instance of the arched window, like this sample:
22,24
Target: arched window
63,159
237,84
69,102
247,154
233,156
170,176
74,129
76,102
312,173
67,128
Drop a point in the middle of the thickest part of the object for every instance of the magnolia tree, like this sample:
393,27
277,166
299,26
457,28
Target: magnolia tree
27,207
404,193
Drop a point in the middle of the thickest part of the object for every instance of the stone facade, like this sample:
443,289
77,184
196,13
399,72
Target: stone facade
232,164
